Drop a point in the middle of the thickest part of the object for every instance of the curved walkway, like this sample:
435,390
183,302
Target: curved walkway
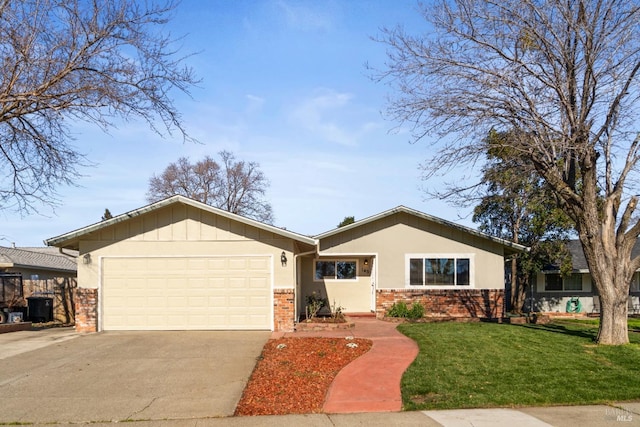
370,383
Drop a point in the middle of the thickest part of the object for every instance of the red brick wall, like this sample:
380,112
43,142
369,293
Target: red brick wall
283,310
460,303
86,302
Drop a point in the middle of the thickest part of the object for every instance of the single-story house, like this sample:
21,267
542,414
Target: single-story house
553,293
38,272
181,264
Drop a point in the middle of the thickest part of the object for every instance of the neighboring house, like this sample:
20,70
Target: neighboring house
38,272
554,293
181,264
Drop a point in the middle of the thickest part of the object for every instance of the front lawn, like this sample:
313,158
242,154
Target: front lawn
472,365
632,322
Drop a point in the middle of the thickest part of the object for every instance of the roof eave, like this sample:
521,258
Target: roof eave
69,239
403,209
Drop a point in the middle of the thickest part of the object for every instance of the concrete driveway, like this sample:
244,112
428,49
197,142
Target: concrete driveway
117,376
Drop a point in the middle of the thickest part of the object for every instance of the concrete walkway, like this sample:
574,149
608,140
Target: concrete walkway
371,383
622,414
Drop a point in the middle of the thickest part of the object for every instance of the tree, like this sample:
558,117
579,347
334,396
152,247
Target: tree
515,204
236,186
346,221
563,76
64,61
106,215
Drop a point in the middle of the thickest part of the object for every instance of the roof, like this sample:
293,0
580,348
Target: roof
37,258
579,261
409,211
71,239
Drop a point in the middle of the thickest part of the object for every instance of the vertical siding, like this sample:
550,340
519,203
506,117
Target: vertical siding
180,230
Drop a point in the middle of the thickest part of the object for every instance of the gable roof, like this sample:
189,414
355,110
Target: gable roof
37,258
70,239
403,209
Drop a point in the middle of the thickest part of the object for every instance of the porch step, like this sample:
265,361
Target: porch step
368,314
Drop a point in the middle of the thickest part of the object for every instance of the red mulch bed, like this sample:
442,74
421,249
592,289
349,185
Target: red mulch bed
295,378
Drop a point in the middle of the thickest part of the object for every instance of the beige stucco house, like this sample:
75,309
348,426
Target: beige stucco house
181,264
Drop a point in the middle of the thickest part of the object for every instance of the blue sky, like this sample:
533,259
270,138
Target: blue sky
283,84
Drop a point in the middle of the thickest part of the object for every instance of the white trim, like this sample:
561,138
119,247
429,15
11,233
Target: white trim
455,256
374,278
336,260
100,305
563,290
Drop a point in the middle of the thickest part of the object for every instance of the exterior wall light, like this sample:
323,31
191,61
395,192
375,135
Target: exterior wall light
283,259
366,261
86,259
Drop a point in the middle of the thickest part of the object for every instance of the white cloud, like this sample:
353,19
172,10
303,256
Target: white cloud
254,103
333,117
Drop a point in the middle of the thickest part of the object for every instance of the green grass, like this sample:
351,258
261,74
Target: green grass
473,365
632,322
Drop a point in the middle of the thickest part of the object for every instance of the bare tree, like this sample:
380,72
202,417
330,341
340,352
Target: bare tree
63,61
236,186
564,75
199,181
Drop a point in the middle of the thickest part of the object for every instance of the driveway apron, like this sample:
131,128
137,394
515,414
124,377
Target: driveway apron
117,376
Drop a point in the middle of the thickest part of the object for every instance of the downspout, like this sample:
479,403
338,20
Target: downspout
295,280
62,252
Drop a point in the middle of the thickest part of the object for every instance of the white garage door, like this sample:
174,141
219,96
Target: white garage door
186,293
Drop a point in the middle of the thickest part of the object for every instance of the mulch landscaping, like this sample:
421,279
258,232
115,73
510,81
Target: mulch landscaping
293,375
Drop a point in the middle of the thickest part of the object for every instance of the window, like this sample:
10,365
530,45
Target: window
335,270
635,283
439,271
555,282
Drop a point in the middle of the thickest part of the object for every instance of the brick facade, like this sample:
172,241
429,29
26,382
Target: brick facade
283,310
86,304
445,303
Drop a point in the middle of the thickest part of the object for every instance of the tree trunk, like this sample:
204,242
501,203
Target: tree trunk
513,304
611,271
521,293
613,321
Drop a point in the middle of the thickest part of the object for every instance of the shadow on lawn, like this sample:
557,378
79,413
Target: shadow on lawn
562,329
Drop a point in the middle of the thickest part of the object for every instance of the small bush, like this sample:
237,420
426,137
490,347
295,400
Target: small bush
398,309
416,312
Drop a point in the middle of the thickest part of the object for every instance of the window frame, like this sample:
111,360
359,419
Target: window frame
634,286
563,281
335,262
454,256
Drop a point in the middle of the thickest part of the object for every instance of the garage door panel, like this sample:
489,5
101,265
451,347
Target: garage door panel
258,264
186,293
237,264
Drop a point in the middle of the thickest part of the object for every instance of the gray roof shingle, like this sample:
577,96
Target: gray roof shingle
39,258
577,254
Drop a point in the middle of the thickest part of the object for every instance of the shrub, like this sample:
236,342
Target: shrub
416,312
400,309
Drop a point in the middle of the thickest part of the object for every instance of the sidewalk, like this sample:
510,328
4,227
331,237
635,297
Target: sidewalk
561,416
